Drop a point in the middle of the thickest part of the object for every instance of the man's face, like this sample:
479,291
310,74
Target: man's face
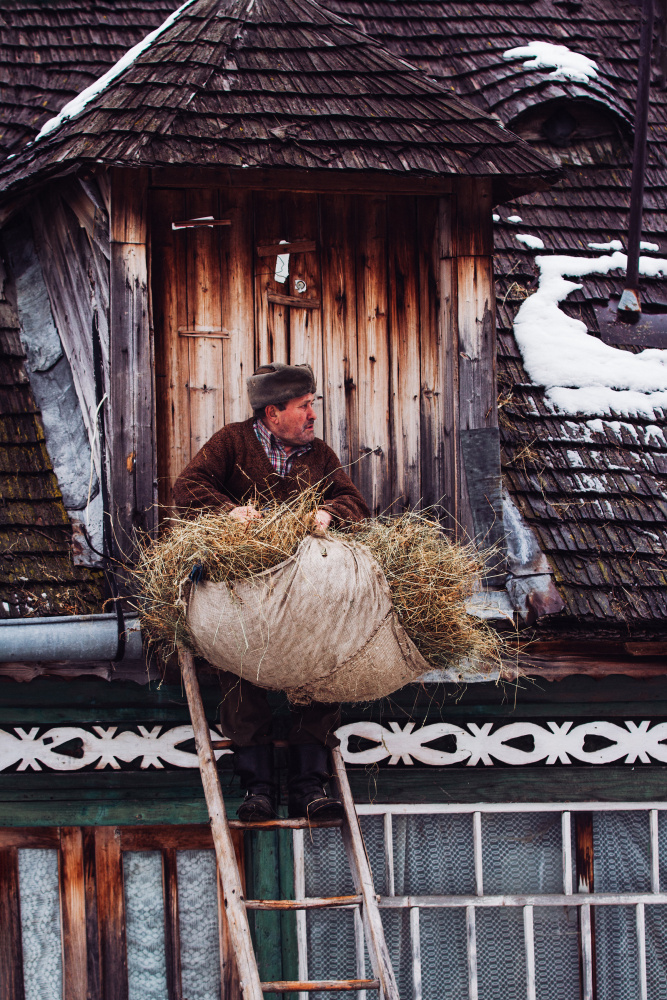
295,425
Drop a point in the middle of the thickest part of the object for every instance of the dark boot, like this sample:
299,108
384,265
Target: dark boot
254,766
308,771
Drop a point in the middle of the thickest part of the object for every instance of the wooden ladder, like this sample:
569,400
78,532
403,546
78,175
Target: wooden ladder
236,906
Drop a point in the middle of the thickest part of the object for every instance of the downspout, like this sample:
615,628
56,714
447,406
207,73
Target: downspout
77,638
629,307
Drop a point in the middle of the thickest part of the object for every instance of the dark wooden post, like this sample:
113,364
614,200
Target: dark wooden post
480,505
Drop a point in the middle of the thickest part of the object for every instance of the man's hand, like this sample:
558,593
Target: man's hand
322,519
248,513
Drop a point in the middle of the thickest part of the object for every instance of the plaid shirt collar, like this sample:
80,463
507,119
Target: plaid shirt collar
275,450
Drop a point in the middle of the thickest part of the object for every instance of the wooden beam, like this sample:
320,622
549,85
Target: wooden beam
111,913
294,301
29,836
11,953
188,837
172,931
129,205
92,928
311,903
404,351
131,430
294,246
352,181
326,985
73,914
473,234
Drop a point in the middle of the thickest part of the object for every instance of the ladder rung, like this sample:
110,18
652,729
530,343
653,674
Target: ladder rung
310,903
300,823
333,985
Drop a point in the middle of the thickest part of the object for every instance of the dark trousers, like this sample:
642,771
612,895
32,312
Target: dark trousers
246,717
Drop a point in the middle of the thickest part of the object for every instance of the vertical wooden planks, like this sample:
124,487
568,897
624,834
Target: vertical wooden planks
373,352
305,325
436,334
404,354
73,914
11,956
264,872
271,320
473,232
111,913
133,473
237,305
92,928
448,338
172,936
168,269
339,320
204,312
478,408
477,343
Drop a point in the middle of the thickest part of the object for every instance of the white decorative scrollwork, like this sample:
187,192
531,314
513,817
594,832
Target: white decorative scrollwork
552,742
101,746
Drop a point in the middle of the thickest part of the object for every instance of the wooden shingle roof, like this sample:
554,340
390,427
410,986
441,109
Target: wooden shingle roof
51,52
594,488
281,83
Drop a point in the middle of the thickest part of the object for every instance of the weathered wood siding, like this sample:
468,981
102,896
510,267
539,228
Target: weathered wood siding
131,389
371,302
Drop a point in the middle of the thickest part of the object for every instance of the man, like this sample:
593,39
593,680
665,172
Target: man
276,455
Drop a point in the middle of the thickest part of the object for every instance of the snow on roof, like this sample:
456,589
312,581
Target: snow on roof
617,245
566,65
580,373
532,242
514,218
78,103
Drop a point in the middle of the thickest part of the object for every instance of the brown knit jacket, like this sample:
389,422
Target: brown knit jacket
233,467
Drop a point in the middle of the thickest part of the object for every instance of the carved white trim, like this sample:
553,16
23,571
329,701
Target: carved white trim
101,747
553,742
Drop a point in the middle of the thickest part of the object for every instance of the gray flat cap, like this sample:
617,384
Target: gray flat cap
278,383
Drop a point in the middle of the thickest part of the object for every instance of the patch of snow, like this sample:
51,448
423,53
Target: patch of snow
78,103
532,242
514,218
566,64
612,245
580,373
655,434
617,245
496,218
575,459
588,482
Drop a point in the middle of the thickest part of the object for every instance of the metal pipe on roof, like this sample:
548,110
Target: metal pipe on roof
629,307
74,637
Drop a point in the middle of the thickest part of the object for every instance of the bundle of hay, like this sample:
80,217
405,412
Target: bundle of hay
428,577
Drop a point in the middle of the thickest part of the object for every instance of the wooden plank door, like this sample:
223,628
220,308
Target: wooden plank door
203,316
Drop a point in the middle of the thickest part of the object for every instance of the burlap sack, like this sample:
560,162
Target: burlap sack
320,626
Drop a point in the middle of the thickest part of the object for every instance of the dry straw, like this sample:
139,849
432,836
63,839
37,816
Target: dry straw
429,576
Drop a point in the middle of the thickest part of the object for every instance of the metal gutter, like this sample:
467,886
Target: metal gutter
77,638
